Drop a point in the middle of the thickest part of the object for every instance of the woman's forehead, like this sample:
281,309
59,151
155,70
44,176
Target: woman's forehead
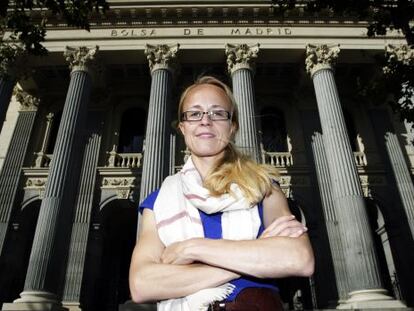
200,93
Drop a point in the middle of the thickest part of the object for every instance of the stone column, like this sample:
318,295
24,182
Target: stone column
240,61
13,162
6,89
81,224
331,220
402,176
360,261
173,140
10,70
50,245
156,163
397,56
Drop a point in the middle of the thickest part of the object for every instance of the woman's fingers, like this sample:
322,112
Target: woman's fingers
286,226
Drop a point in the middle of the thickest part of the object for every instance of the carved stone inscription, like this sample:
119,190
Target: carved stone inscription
200,32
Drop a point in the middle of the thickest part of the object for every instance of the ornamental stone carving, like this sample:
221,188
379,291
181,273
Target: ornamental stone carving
395,55
81,58
27,101
241,56
118,182
320,57
36,182
161,56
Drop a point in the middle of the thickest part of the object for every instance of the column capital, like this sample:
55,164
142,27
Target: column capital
241,56
320,57
400,54
161,56
27,101
13,61
81,58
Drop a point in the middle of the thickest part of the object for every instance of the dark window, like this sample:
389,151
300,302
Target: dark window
132,132
352,133
274,135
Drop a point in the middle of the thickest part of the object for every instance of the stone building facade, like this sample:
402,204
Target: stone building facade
90,131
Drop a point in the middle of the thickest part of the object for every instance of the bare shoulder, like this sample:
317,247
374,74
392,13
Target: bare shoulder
275,205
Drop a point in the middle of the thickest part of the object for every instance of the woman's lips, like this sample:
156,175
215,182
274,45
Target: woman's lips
205,135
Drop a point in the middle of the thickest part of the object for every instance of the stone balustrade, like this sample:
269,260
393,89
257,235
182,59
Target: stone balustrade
125,160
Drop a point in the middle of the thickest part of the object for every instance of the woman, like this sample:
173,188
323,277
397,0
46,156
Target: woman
214,233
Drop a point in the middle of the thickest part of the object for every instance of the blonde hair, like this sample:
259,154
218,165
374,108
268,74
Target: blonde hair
254,179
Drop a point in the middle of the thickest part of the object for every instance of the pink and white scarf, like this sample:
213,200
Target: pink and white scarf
178,219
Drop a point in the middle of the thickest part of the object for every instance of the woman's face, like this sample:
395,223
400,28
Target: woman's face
207,138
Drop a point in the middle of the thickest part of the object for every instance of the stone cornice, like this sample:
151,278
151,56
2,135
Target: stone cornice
152,13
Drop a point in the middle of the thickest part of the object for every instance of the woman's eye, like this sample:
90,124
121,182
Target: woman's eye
194,114
219,113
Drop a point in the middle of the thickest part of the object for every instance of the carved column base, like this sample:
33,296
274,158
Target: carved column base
35,301
371,299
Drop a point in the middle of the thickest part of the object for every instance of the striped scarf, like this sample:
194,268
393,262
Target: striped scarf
178,219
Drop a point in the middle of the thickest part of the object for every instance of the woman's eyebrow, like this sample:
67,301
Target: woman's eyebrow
201,107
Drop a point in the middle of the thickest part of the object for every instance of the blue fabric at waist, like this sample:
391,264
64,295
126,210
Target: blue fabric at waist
243,283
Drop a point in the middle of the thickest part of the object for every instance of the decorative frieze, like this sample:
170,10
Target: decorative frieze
36,183
320,57
161,56
241,56
115,182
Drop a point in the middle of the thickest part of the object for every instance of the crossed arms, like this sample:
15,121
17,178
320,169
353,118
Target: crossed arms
158,272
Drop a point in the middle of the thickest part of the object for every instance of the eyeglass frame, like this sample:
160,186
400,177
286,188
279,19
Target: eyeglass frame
208,113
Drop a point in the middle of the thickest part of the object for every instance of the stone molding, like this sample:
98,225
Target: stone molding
321,57
82,58
161,56
27,101
241,56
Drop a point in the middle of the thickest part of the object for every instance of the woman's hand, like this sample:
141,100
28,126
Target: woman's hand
284,226
176,254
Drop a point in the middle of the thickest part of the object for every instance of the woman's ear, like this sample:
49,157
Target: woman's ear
232,131
180,128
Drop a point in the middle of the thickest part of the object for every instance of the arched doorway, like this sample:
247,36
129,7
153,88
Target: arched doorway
111,241
17,250
383,248
297,291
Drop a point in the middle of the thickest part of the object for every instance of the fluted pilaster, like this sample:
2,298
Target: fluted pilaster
81,225
240,61
156,162
6,91
11,69
13,162
360,261
49,249
331,220
402,176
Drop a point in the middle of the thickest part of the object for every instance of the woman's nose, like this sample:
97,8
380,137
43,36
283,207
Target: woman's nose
205,119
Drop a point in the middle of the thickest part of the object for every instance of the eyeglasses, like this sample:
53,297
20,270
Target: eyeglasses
213,115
